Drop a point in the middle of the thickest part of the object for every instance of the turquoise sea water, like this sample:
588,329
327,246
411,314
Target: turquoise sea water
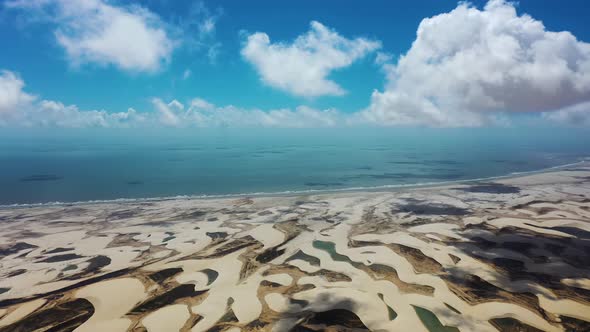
75,165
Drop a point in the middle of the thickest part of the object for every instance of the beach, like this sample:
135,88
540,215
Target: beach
507,254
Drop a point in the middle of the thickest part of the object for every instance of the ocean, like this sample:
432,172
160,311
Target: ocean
48,166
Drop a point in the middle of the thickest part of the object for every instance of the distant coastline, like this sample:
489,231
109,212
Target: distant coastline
382,188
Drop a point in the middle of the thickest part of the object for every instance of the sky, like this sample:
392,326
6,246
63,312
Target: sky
162,63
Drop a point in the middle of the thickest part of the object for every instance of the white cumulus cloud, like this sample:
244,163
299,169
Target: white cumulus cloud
96,31
303,66
12,96
469,65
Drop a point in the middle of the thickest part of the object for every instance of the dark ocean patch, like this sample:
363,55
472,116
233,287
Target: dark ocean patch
134,182
365,168
446,176
377,149
510,162
444,162
182,148
270,151
40,177
393,176
492,188
407,176
404,162
323,184
426,162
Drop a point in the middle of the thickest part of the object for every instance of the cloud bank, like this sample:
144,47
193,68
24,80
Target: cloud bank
21,109
94,31
468,65
200,113
303,66
575,116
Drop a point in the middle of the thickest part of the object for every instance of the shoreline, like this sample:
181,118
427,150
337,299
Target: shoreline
359,190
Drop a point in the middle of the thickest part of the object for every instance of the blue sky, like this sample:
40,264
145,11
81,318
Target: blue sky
205,60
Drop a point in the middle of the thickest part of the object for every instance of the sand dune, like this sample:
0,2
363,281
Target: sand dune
511,255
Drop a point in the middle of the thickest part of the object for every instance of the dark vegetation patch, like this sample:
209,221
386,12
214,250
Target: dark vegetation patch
421,262
60,258
162,275
269,254
95,264
454,258
169,297
492,188
61,317
227,248
194,214
332,320
452,308
266,283
548,248
474,290
16,273
89,281
58,250
216,235
122,214
70,267
40,178
432,209
509,324
15,248
571,324
304,257
168,238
